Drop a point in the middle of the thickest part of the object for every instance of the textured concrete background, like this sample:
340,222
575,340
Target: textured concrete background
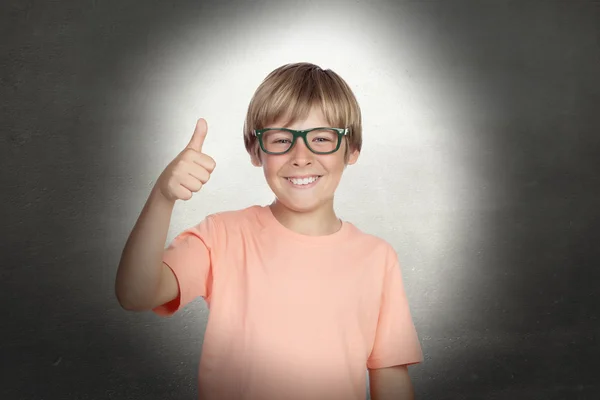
489,191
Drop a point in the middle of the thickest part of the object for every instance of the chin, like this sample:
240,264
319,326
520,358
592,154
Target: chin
300,207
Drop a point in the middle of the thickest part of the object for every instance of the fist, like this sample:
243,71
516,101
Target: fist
189,171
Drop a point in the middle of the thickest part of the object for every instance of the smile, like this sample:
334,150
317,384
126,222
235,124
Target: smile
305,181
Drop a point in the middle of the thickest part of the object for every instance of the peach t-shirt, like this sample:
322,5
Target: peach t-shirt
291,316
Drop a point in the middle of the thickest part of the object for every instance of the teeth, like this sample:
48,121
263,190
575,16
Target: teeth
304,181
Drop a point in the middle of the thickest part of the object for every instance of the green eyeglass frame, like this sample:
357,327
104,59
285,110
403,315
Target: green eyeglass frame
300,134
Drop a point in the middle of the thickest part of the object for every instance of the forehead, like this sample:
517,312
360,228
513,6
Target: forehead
314,118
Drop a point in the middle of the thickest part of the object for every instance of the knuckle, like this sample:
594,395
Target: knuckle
186,156
176,167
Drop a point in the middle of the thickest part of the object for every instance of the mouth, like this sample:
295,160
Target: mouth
304,182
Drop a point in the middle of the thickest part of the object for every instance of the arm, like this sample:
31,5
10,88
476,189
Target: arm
396,345
143,281
391,383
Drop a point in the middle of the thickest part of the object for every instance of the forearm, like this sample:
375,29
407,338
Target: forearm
391,384
139,270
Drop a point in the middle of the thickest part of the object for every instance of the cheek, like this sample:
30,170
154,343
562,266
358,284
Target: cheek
335,166
271,167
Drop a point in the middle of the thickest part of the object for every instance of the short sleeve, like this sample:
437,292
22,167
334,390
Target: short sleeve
396,341
190,258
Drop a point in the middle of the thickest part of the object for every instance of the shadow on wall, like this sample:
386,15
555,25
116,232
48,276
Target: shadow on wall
65,336
525,327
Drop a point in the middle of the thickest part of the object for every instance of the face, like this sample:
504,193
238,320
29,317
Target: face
287,174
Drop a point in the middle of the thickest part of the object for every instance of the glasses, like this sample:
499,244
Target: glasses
318,140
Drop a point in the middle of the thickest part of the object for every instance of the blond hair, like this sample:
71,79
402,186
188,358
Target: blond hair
291,91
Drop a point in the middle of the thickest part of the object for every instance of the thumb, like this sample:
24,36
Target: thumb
199,135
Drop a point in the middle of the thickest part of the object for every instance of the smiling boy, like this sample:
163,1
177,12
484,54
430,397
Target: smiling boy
301,302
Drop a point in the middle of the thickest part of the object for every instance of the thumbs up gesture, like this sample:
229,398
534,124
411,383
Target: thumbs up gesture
189,171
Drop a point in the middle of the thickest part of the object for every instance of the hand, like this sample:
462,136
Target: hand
189,171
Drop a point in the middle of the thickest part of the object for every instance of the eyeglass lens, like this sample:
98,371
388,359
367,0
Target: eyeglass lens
320,141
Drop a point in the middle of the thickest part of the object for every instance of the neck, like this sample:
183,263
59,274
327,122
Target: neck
318,222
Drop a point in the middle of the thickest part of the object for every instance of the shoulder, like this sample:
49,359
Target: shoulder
221,227
228,221
236,217
375,246
358,236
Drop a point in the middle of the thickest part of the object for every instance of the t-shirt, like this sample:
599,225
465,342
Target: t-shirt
291,316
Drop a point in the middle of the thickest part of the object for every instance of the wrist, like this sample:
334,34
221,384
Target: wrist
158,198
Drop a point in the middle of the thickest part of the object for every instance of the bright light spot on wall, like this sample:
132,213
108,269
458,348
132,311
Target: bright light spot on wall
402,187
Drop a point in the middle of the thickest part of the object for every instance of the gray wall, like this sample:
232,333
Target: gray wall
480,166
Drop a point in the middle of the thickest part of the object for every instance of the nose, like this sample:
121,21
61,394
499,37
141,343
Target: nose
301,155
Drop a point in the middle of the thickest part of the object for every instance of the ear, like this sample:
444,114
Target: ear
255,159
353,157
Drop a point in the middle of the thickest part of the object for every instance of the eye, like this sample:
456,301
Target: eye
277,137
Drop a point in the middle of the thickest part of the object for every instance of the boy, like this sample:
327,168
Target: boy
300,301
